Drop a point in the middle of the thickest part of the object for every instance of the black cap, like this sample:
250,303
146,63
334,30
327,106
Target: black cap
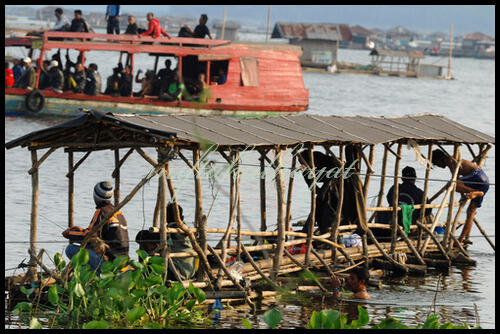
409,173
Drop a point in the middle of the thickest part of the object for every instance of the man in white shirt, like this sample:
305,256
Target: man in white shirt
62,23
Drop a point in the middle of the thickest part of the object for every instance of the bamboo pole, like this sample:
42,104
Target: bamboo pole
238,206
451,51
395,200
129,152
223,24
262,179
42,159
410,245
484,234
281,221
71,191
459,245
157,206
438,244
382,182
369,171
268,23
32,275
456,155
312,214
78,163
256,267
384,254
163,216
290,256
289,195
340,203
200,219
320,258
117,177
440,210
424,195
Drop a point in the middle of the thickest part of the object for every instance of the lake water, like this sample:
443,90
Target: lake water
469,100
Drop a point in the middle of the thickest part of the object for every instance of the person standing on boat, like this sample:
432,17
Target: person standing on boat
200,31
94,82
357,282
18,69
28,79
62,23
79,24
114,232
473,184
154,28
113,18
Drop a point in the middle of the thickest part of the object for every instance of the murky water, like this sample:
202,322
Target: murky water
468,100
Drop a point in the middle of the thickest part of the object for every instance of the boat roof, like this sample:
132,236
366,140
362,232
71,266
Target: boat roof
397,53
135,44
96,130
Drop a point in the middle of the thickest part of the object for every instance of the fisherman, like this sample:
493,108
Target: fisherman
113,19
62,23
179,242
473,184
409,193
28,79
357,282
112,239
200,31
154,28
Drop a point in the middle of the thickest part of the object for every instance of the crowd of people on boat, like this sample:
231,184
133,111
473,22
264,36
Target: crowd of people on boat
112,17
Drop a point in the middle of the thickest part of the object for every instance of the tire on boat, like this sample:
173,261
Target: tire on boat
34,100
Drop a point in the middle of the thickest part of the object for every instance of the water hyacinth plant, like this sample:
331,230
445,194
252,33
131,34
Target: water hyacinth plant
128,294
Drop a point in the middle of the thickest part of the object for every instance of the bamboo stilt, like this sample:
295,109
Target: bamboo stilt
71,191
262,179
459,245
456,155
290,256
200,219
78,163
256,267
395,200
340,203
369,171
312,215
32,275
157,206
281,219
318,256
424,196
410,245
117,177
433,237
382,182
389,258
289,196
238,206
484,234
163,217
42,159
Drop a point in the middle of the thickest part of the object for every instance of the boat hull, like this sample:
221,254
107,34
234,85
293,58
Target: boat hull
69,107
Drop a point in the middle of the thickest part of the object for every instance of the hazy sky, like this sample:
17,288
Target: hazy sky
422,18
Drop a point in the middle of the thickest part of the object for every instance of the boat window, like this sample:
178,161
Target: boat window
218,72
249,71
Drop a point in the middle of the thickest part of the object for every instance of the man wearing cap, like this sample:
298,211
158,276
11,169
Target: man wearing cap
56,77
28,79
114,232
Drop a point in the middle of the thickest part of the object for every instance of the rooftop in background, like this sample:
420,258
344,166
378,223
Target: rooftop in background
478,36
325,31
134,130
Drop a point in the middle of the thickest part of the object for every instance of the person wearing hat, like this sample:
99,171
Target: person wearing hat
409,193
28,79
114,232
55,77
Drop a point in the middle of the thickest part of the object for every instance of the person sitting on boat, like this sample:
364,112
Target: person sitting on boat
44,77
62,23
94,82
357,282
200,31
154,28
28,79
166,73
126,81
78,79
473,184
114,232
146,83
172,90
179,242
113,19
113,83
55,77
79,24
133,28
222,77
9,76
17,69
409,194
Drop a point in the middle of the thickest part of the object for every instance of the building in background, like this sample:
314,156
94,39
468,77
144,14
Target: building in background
319,41
230,30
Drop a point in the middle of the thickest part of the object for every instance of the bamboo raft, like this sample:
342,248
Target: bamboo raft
176,135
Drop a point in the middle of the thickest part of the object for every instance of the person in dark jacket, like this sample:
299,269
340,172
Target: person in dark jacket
94,82
126,81
44,81
132,28
28,79
114,233
113,83
56,77
79,24
200,31
18,69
